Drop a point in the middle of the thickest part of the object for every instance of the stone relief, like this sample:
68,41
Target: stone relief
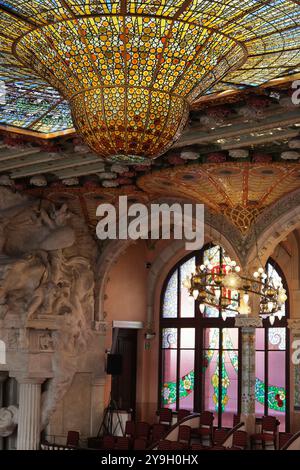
44,275
8,420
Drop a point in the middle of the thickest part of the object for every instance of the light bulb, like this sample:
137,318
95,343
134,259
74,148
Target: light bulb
238,269
195,294
202,308
264,276
224,315
202,267
260,270
246,298
233,263
272,319
280,315
256,275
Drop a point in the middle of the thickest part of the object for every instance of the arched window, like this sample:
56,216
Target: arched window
201,352
272,366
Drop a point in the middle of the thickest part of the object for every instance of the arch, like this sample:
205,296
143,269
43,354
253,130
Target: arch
114,249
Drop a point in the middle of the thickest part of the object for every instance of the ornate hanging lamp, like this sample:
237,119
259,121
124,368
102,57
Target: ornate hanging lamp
130,69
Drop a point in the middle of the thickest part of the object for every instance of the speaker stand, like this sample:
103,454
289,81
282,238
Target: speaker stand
107,427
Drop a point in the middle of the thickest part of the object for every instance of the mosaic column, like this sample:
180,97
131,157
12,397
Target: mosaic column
294,326
29,426
248,325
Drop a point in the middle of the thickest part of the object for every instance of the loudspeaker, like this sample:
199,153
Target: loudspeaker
114,364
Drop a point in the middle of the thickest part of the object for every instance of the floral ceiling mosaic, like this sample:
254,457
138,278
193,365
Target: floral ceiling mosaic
129,70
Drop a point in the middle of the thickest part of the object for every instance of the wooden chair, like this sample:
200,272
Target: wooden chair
73,439
219,436
108,442
164,445
205,429
165,417
139,444
122,443
268,434
239,440
181,414
184,435
142,430
158,432
284,438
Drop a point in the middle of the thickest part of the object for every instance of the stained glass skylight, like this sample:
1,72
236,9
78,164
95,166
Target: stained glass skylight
130,69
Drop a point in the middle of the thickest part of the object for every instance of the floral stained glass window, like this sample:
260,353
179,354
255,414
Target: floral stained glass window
271,356
201,353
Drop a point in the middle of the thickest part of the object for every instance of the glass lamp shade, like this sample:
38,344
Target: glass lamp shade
130,70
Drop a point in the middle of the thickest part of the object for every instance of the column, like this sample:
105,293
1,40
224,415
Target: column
3,377
29,423
294,326
248,325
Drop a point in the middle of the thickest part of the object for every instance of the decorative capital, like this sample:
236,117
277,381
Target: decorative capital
100,326
294,326
248,322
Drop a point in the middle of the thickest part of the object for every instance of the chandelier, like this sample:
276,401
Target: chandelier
223,287
130,69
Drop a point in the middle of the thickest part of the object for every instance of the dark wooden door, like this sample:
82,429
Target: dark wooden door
123,388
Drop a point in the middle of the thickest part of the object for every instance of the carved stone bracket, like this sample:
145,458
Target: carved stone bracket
294,326
100,326
248,322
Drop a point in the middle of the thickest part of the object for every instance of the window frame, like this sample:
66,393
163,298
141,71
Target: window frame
200,323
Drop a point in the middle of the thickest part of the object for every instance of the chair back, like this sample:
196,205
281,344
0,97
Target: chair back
164,445
219,436
236,419
122,443
165,416
269,424
181,414
73,439
206,418
184,434
158,432
139,444
142,430
284,438
108,442
130,429
240,439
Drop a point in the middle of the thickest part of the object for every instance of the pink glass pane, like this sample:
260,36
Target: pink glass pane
186,390
211,381
187,338
230,338
277,339
211,338
229,387
169,375
260,383
260,339
170,297
169,338
187,302
276,391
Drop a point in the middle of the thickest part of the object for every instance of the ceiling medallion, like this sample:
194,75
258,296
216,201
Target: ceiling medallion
130,69
223,287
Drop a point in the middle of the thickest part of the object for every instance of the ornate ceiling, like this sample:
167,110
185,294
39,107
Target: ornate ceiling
239,154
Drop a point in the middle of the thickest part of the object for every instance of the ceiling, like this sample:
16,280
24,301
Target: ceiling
251,111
